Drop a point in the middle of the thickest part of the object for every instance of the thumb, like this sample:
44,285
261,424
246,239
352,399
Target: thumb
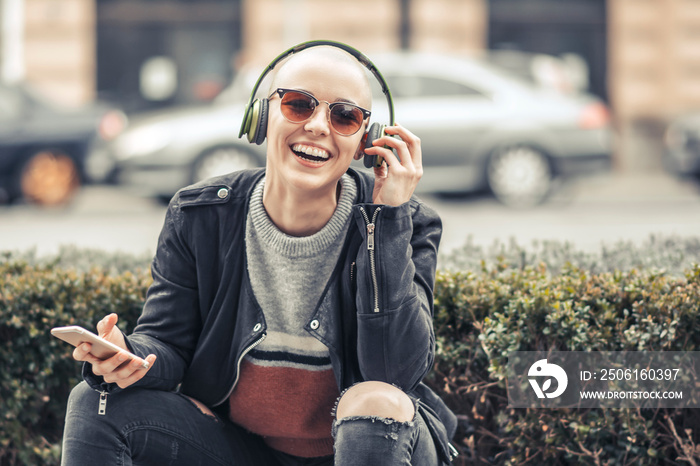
105,326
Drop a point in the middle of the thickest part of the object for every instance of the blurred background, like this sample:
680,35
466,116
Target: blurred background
575,120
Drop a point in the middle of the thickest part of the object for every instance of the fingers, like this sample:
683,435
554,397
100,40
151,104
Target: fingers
131,372
122,369
396,181
412,144
82,353
105,326
107,329
121,365
408,148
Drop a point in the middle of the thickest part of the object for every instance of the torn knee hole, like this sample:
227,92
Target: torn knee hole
375,399
380,419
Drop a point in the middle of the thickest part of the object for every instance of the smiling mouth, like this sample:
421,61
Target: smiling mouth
313,154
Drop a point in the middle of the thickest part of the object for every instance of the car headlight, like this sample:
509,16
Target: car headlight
138,142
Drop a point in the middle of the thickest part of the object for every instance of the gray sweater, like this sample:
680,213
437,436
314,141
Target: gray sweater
288,275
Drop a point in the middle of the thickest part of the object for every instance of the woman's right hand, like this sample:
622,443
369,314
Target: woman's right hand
114,369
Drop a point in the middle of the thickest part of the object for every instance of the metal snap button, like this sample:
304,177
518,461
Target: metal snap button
314,324
223,192
257,327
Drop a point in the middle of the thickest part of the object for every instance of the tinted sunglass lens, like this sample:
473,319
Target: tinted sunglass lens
297,107
346,119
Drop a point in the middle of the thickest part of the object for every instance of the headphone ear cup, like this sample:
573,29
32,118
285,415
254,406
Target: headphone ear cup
255,126
375,132
250,125
261,130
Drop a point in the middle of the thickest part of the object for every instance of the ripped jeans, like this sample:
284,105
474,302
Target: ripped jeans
150,427
365,440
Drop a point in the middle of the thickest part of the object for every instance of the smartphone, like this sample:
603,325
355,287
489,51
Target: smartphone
101,348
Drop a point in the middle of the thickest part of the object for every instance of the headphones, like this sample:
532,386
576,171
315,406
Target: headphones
254,124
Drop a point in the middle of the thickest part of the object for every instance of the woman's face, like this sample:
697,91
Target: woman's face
311,156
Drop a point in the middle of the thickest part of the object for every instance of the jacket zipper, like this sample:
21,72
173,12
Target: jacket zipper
238,366
370,247
102,407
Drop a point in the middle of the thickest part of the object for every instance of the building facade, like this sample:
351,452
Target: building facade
654,65
51,44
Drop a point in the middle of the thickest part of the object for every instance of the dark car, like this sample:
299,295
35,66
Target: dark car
43,146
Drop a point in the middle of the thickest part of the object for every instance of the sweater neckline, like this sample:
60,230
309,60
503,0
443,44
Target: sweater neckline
303,246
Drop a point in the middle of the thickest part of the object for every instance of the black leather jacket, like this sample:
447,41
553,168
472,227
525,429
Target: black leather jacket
201,317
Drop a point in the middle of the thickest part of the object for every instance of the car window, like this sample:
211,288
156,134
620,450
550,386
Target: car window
10,103
405,86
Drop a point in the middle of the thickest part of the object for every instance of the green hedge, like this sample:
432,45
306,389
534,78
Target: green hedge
481,316
671,253
38,371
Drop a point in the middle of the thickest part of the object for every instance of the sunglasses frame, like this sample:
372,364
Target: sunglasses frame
281,92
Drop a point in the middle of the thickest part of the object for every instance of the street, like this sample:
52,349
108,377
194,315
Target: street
586,212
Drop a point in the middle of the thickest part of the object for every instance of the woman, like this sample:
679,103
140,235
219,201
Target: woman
277,292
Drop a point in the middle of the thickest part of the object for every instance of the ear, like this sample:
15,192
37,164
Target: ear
361,148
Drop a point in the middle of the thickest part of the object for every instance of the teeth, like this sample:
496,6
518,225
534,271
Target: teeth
313,151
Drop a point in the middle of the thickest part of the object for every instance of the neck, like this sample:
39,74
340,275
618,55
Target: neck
296,212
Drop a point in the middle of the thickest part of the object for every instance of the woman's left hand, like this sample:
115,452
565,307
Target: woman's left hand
395,181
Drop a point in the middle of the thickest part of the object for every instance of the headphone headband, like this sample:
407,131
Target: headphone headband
366,62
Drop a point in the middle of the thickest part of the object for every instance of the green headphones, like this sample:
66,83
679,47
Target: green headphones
254,124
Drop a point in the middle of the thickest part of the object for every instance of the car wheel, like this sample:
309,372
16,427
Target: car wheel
221,161
49,177
519,176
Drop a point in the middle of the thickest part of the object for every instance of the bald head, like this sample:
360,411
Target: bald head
332,58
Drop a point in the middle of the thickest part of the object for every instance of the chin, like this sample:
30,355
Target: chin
312,182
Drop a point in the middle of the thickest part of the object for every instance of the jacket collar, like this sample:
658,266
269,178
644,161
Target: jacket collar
365,184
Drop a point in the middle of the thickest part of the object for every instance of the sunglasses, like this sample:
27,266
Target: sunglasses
298,106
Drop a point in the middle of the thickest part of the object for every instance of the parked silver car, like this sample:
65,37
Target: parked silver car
480,128
164,150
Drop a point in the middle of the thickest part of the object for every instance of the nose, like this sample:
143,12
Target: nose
319,123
